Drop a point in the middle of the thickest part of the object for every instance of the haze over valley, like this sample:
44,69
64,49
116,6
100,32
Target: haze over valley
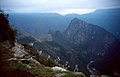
60,38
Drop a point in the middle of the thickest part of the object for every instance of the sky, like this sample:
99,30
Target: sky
57,6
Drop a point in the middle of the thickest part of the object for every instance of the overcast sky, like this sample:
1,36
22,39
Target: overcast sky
57,6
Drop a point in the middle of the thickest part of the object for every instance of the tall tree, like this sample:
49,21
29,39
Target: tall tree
6,32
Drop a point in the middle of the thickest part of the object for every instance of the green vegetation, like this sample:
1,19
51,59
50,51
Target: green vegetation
71,74
6,32
22,67
26,40
40,58
62,45
36,70
6,68
17,68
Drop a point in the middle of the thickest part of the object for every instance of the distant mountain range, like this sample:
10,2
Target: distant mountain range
99,44
75,40
108,19
79,44
90,43
40,23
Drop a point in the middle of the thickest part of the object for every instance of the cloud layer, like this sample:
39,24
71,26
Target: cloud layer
56,5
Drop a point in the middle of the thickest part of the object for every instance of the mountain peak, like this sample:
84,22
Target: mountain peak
76,20
80,32
75,26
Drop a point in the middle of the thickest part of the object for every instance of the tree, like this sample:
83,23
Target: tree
6,32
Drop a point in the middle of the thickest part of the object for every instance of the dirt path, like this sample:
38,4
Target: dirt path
59,75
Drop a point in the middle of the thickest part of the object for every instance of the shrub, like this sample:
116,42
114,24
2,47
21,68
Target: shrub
6,32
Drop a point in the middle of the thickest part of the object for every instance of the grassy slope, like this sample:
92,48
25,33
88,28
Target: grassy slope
5,68
15,69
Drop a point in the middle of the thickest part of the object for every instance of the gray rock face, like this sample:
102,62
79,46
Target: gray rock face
87,42
19,50
80,43
89,36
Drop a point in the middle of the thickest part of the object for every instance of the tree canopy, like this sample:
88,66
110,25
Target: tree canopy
6,32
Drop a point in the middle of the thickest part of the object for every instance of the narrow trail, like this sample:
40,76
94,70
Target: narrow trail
59,75
92,70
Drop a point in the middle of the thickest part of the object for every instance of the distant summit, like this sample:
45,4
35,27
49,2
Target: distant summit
36,24
81,33
87,42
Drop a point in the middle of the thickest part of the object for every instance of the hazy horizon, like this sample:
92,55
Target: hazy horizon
62,7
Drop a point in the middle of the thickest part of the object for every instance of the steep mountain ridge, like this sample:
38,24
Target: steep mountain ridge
105,18
88,42
17,60
36,24
79,44
83,33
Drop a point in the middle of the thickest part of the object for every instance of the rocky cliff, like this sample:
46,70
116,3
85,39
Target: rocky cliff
88,42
